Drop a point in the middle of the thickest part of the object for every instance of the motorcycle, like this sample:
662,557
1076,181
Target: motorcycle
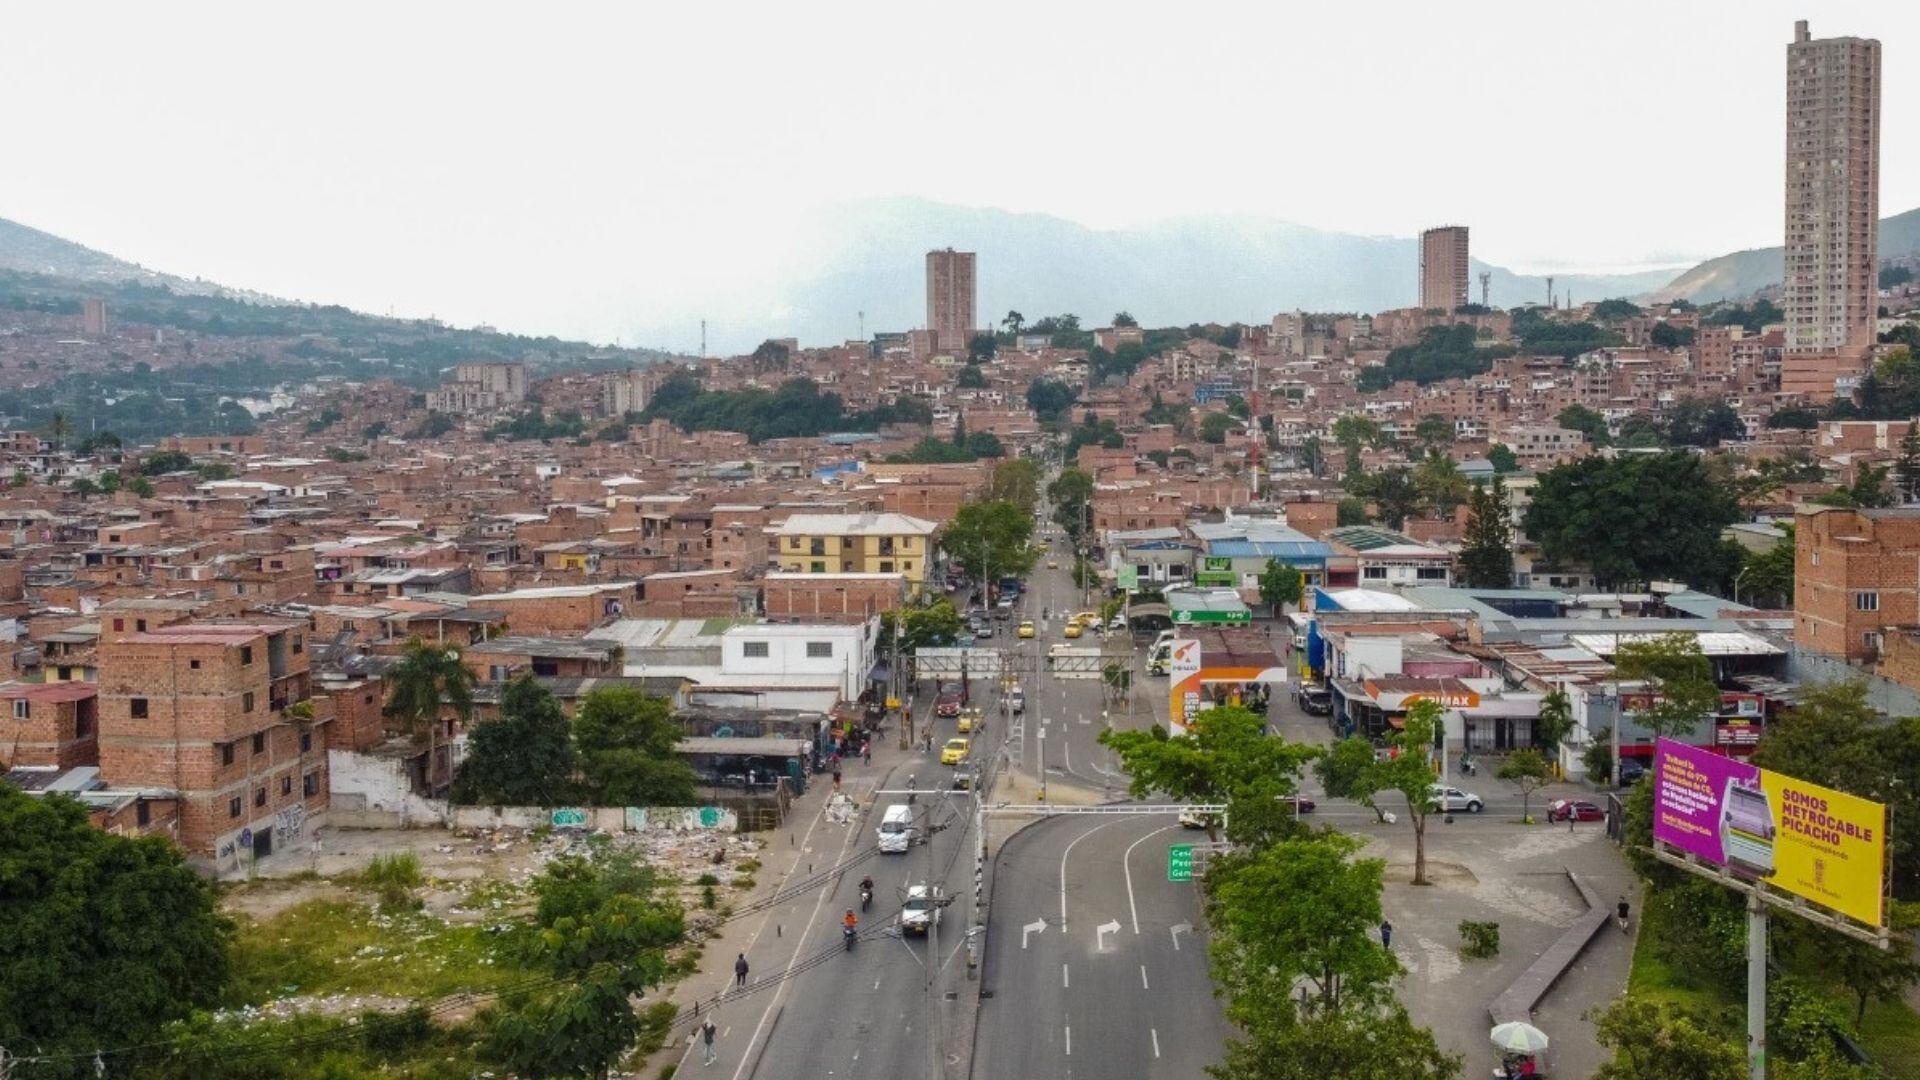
866,897
850,936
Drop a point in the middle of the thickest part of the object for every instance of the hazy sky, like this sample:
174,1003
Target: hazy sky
536,165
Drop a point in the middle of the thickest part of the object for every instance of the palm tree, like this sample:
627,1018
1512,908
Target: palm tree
58,428
428,680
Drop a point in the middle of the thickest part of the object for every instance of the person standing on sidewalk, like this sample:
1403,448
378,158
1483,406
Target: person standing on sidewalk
1386,935
740,970
707,1032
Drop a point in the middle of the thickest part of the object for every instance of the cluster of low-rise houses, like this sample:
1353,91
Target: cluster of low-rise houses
206,659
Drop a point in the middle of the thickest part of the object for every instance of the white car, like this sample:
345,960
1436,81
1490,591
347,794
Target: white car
1452,799
921,910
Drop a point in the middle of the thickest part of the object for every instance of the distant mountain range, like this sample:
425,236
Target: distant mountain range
868,256
1743,273
30,251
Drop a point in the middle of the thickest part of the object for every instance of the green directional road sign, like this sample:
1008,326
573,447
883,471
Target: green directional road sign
1180,862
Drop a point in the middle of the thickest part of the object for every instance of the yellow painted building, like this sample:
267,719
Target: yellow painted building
856,544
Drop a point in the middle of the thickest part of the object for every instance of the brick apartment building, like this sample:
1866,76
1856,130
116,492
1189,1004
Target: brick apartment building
218,713
1856,574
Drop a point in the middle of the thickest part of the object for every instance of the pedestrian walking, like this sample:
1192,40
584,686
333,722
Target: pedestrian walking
866,752
1386,934
707,1032
740,970
1569,819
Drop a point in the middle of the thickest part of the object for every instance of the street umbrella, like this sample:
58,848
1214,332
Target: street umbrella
1519,1037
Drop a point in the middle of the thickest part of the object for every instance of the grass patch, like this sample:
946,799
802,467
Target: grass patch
342,946
1891,1033
1655,980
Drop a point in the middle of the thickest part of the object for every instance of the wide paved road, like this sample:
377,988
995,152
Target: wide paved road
1097,964
829,1013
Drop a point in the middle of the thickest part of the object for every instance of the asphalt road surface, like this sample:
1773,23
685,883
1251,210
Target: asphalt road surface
827,1012
1096,963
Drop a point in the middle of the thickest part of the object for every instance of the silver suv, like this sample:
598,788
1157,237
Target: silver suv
1453,800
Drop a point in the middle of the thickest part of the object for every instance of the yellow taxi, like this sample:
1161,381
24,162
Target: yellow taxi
1053,564
1086,618
1073,630
955,751
969,721
1026,629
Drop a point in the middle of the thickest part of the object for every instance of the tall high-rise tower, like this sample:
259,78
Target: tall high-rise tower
1443,267
1833,192
950,298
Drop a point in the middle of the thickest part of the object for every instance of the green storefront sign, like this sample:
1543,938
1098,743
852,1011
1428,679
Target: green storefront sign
1217,570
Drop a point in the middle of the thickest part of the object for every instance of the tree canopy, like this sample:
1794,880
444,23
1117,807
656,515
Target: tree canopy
1443,352
523,757
990,539
1050,398
1636,518
626,743
103,939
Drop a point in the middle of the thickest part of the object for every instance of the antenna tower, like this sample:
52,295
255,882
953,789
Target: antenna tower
1486,277
1550,292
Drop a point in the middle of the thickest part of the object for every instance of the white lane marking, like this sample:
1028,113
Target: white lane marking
1063,865
1126,870
1155,1032
1143,978
1069,1041
1064,981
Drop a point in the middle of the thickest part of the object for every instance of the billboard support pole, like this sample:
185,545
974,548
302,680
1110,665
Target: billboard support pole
1756,985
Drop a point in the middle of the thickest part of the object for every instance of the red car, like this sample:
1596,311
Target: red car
952,696
1301,804
1577,809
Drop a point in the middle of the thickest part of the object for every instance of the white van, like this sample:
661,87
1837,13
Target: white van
896,828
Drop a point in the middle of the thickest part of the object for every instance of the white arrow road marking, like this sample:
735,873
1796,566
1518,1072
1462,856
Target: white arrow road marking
1111,926
1177,929
1033,927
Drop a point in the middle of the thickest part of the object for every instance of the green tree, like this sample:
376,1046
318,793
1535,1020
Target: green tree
1486,552
1015,480
1300,911
1503,459
1693,421
981,348
1768,575
1615,310
165,461
1013,322
1585,421
626,741
1440,483
1554,723
1652,1042
1639,518
1677,674
1226,756
523,757
1342,768
429,681
1394,494
931,623
1354,431
1527,771
1665,335
58,428
1793,417
1072,496
1280,585
1050,398
1312,456
142,487
103,938
1906,466
1350,510
1125,319
1214,427
84,487
1354,1044
1410,773
990,539
970,378
1433,432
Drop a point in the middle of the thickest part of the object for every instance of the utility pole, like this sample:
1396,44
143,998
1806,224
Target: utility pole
936,905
